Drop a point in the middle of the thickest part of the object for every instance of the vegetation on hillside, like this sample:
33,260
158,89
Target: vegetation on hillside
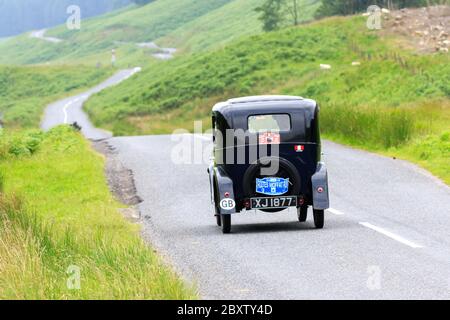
348,7
375,96
189,26
379,104
61,233
240,18
121,30
25,91
275,14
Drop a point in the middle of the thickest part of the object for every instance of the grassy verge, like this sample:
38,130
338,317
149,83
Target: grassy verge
25,91
417,132
58,219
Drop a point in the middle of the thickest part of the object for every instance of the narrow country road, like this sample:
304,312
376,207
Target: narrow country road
40,34
70,110
386,236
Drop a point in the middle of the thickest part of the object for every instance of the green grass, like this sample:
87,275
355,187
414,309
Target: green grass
56,212
391,102
120,29
25,91
189,25
225,25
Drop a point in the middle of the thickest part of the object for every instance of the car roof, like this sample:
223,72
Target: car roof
266,98
265,102
234,110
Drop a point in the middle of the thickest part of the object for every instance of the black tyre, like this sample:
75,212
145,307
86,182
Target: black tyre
218,219
319,218
216,201
226,223
286,170
302,213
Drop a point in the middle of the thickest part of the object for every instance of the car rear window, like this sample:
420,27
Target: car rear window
269,122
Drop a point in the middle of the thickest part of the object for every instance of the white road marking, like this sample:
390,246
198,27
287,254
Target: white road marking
336,212
66,106
65,112
85,96
391,235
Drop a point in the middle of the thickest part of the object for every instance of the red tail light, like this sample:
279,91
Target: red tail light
299,148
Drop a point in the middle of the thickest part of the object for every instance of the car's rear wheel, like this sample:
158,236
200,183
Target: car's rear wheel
218,219
319,218
226,223
286,170
302,213
216,202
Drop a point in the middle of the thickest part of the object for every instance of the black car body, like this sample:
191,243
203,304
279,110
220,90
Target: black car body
255,134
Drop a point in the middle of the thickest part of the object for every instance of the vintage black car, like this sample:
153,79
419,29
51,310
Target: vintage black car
267,156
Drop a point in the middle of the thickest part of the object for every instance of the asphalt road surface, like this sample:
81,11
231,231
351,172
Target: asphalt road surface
387,235
70,110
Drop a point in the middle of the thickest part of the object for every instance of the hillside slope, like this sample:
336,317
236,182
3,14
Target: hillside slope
120,29
189,26
221,26
25,91
392,99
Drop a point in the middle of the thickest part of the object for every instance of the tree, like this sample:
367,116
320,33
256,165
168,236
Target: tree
270,14
292,7
273,13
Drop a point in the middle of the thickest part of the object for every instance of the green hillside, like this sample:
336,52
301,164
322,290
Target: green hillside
101,34
235,19
189,25
394,99
25,91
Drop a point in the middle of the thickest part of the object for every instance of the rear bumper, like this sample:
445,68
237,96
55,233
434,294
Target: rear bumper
222,185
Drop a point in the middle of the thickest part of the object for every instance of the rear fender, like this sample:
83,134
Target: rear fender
224,185
321,200
211,180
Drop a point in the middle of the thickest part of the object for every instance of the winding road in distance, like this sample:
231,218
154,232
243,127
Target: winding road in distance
387,235
70,110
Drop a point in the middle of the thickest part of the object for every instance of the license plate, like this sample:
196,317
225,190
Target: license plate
273,203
